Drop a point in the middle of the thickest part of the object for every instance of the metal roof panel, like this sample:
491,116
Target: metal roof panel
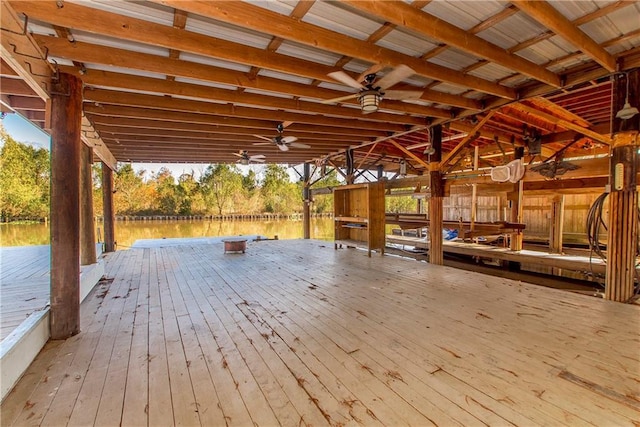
404,42
209,27
206,60
454,59
464,14
307,53
147,11
337,17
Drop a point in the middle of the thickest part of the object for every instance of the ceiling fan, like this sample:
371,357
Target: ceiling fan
372,90
246,159
282,142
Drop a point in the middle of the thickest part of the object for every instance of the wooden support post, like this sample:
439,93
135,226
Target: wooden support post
436,254
474,192
557,224
380,172
350,166
87,233
306,200
622,239
66,116
108,213
515,199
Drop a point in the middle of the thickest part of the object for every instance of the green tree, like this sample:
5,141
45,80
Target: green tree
24,179
280,194
324,203
401,204
130,197
166,194
221,185
190,199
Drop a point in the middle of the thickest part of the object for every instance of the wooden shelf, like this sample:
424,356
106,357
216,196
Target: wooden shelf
355,219
359,216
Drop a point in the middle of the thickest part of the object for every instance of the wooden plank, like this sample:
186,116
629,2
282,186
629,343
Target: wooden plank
136,396
294,332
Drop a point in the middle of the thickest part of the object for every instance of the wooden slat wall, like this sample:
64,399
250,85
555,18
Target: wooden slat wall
537,213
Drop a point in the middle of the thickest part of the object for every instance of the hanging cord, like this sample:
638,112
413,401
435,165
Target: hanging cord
595,225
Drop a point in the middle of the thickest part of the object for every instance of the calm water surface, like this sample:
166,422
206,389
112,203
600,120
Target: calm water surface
127,232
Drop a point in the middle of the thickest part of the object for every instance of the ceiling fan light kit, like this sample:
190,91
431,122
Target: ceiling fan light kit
369,100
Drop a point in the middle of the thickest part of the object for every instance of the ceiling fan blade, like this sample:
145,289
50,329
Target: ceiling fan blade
394,76
283,147
263,143
371,70
403,94
258,156
340,99
289,139
287,124
258,160
345,78
238,154
298,145
264,137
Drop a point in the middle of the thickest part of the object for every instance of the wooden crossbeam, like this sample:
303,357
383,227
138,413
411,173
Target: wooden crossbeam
471,135
548,16
564,123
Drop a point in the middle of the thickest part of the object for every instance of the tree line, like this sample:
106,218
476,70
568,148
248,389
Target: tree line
220,189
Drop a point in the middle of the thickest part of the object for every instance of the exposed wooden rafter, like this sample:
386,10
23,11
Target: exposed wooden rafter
548,16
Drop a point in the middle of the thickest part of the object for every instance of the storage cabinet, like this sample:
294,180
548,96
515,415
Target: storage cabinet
358,212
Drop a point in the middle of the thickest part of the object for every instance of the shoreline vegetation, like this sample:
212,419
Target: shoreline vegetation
130,230
226,217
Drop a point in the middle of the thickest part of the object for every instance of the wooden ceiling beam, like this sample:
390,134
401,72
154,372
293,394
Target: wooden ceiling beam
470,136
559,111
548,16
100,22
404,15
221,140
92,139
26,102
221,133
605,139
243,118
263,20
301,8
103,96
151,85
16,87
96,54
21,52
248,126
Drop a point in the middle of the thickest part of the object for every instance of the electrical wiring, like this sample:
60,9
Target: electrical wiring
596,225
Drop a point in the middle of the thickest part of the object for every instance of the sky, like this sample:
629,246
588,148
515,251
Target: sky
24,131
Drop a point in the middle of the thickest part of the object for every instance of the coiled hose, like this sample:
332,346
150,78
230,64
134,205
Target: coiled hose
595,226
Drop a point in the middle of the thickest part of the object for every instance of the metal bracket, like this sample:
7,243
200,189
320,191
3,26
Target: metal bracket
24,28
54,77
26,55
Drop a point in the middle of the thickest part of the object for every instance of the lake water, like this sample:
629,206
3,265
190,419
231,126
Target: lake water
127,232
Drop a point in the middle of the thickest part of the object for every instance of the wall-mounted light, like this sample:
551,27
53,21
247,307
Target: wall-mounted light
429,150
627,110
369,100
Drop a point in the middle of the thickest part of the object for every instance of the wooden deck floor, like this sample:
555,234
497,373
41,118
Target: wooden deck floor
24,284
295,333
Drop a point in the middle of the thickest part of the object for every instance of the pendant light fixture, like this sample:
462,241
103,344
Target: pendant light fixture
627,110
